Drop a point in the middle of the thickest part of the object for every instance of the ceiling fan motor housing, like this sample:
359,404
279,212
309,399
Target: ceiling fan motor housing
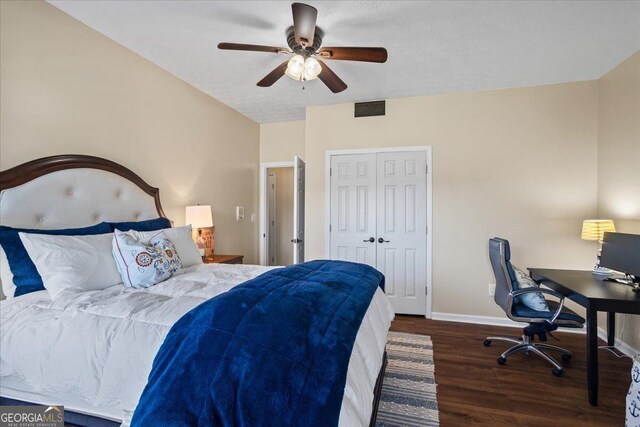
309,50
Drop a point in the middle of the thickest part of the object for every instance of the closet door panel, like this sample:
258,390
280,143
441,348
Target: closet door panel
353,208
402,228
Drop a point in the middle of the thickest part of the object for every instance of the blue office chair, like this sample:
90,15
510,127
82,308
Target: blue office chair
540,322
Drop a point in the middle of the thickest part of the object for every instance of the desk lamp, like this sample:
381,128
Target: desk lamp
594,229
199,217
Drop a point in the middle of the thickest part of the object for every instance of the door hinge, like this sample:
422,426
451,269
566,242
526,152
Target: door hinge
426,291
330,171
426,229
329,228
426,169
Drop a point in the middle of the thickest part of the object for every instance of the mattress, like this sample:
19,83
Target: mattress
92,352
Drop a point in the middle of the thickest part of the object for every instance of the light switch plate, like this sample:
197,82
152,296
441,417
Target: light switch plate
239,213
492,289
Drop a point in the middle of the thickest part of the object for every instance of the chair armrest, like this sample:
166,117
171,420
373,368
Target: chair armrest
518,292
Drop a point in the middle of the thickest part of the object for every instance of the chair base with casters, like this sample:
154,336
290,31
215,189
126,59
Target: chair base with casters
526,343
508,296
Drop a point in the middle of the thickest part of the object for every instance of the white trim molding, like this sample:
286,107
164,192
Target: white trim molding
624,348
490,320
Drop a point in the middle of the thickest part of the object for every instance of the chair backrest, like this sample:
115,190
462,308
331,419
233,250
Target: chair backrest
500,256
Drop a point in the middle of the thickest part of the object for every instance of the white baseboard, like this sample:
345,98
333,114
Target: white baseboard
624,348
489,320
478,320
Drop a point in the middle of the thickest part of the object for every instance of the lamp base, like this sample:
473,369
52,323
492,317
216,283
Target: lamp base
601,271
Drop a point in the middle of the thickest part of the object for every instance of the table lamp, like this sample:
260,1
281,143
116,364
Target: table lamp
199,216
594,229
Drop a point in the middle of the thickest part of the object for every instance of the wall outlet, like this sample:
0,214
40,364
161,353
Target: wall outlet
239,213
492,289
253,217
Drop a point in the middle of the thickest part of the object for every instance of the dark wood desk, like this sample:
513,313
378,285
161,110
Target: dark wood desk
594,294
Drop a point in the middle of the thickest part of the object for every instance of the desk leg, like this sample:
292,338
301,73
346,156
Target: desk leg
611,329
592,355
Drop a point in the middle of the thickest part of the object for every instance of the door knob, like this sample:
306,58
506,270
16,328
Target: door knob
370,240
381,240
296,240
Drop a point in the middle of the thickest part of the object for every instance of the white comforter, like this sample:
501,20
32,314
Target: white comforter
93,351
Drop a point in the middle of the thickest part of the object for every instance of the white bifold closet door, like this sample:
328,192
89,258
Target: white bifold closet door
379,217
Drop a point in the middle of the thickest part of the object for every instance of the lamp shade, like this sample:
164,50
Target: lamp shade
594,229
199,216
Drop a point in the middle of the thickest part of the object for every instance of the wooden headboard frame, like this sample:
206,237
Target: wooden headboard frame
26,172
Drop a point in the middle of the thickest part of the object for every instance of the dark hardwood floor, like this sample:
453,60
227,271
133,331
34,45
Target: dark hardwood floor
474,390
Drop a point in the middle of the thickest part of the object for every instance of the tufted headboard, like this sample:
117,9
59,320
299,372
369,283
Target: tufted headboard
72,190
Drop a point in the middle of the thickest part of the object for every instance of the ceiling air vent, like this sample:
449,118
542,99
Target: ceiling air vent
368,109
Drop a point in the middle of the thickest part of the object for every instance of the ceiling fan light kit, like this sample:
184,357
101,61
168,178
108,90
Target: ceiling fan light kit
304,39
299,68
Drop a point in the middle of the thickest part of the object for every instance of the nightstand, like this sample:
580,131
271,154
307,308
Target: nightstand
224,259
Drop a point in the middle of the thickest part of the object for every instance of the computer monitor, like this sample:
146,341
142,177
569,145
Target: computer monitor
621,252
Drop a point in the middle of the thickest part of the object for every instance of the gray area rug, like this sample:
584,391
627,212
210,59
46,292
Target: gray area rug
409,387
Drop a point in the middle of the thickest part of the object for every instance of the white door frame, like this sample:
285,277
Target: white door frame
263,226
327,202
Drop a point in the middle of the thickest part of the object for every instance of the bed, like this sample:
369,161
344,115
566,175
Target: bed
112,335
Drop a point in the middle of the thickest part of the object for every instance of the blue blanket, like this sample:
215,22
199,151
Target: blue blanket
272,351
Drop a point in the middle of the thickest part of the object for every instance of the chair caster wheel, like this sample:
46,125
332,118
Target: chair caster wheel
501,360
486,343
557,372
567,357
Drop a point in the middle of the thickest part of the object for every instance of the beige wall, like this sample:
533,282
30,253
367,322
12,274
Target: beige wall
517,163
68,89
619,160
280,142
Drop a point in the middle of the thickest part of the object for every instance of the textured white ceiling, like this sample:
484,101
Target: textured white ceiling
434,47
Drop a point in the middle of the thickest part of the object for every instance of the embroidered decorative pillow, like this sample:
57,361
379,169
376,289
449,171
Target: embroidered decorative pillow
533,300
144,262
181,239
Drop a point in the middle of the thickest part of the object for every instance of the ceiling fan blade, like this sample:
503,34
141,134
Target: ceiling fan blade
251,47
304,23
330,79
274,76
366,54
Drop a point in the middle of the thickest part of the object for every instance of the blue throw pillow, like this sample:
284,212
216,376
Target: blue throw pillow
148,225
533,300
25,275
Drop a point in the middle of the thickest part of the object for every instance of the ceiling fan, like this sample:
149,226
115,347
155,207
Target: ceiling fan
304,39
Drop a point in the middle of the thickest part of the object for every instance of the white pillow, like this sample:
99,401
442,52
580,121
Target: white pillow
6,276
145,262
72,263
181,239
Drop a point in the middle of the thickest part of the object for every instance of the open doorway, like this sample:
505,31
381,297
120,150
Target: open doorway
279,215
282,189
